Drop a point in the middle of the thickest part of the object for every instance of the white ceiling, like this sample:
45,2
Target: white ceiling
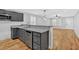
50,13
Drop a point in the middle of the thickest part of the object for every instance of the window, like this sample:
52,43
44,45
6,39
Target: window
57,22
54,22
33,20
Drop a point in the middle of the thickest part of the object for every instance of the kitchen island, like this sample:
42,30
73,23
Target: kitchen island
36,37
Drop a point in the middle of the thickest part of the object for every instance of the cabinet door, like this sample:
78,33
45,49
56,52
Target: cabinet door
2,11
44,40
26,37
36,34
14,33
20,16
36,47
3,18
36,39
15,16
20,34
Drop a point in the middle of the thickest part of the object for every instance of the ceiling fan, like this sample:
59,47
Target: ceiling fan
44,14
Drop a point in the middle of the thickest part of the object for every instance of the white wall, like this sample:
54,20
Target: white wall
76,24
39,20
5,31
42,21
68,23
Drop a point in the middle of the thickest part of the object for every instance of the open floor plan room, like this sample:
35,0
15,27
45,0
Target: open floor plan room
39,29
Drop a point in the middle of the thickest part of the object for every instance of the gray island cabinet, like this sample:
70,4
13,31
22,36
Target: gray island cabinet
35,37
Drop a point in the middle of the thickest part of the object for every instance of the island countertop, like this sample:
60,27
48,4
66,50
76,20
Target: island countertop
34,28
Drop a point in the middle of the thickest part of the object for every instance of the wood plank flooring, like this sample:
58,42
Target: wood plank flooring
10,44
65,39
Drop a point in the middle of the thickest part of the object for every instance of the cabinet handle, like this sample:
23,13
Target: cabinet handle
28,31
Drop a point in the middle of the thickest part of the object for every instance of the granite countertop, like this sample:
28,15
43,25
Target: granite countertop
34,28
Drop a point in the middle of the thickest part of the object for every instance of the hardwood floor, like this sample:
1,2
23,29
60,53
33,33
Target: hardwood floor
10,44
65,39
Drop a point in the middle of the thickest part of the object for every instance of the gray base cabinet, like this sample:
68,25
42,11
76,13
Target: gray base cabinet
14,33
25,36
35,40
40,40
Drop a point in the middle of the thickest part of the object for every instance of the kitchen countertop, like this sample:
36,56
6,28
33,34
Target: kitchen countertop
35,28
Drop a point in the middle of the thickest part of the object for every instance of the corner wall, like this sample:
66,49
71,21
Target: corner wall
76,24
5,31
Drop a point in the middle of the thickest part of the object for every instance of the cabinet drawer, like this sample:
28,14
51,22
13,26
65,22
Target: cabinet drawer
36,47
36,34
36,39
